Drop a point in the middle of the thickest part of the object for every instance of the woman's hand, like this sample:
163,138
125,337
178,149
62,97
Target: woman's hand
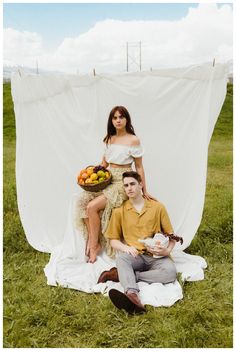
147,196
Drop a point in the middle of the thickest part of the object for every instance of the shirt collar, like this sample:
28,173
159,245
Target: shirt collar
129,205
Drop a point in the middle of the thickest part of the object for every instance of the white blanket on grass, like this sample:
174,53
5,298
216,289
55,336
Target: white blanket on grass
68,267
60,123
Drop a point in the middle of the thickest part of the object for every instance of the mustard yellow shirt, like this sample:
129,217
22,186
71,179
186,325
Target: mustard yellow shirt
126,224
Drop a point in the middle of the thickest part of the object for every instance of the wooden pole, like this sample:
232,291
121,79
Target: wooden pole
140,57
127,59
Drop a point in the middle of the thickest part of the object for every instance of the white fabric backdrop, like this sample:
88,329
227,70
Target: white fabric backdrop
60,124
61,121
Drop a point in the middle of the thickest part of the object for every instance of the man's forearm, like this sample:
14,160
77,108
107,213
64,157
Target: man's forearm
171,245
117,245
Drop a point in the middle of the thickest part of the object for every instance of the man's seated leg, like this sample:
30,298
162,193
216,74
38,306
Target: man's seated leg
159,270
126,266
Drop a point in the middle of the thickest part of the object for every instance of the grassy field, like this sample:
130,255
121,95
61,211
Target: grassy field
36,315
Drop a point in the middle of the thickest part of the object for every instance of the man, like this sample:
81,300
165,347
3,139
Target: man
137,218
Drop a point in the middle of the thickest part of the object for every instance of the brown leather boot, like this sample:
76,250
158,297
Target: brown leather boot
112,275
129,302
136,301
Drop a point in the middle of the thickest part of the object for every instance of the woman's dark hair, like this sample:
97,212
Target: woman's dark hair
132,174
111,130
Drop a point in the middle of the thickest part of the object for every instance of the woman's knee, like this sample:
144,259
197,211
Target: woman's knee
96,205
90,208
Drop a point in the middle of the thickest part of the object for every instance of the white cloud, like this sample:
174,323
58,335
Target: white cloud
21,47
205,33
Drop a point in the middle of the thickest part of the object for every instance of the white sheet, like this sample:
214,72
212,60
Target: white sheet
68,267
60,124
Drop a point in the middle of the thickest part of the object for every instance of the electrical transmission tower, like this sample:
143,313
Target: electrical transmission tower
133,55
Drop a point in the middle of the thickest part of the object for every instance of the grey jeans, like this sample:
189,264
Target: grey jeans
144,268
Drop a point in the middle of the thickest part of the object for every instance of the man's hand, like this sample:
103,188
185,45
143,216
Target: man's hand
130,250
159,250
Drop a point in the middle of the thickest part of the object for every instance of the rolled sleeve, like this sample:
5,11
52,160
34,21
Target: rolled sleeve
165,221
114,229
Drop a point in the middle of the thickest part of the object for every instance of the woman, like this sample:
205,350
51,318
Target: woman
122,148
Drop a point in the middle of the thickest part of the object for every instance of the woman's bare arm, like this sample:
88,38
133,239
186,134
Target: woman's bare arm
140,170
104,163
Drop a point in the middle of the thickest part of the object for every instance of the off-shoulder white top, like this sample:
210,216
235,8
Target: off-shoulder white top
122,154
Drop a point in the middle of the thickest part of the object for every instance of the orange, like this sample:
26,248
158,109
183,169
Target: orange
83,171
89,171
84,175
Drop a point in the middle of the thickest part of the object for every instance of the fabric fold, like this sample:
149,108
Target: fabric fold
61,121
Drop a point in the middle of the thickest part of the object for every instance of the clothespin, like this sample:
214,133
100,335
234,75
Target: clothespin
94,73
214,61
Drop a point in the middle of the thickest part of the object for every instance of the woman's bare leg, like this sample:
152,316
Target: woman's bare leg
86,220
93,209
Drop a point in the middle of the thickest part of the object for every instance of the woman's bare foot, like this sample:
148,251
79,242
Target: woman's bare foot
93,252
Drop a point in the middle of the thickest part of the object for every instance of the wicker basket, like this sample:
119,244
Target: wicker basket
98,186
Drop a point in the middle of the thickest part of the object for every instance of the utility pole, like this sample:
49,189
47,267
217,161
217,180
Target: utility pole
133,55
37,67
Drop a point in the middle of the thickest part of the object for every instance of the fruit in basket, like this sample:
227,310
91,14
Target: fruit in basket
89,171
101,174
94,176
99,168
84,175
82,171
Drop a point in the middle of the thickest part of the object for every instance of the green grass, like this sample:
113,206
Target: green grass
37,315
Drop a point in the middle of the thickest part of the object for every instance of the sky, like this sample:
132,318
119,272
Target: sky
78,37
69,20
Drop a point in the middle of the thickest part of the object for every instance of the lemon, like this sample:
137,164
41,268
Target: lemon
101,174
94,176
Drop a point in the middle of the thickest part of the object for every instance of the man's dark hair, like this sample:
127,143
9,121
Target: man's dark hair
132,174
